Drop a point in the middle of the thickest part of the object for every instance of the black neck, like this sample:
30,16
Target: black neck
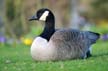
49,28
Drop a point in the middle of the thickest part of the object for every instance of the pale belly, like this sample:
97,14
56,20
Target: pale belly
42,50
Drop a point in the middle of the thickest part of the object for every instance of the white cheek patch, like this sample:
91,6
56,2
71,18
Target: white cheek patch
44,15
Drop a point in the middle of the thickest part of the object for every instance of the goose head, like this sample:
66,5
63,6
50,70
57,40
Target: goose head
47,16
43,14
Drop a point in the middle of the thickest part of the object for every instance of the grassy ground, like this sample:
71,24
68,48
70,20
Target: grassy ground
18,59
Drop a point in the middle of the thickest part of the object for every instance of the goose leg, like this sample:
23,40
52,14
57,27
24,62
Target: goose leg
89,52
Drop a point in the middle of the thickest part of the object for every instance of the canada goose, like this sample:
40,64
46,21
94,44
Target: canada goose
62,44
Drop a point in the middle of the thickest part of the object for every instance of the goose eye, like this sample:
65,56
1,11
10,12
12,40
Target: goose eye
39,14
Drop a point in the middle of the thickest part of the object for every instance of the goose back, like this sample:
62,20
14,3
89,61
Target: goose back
70,44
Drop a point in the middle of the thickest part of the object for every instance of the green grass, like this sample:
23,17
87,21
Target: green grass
18,59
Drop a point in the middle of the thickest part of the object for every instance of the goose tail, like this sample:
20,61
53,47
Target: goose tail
93,36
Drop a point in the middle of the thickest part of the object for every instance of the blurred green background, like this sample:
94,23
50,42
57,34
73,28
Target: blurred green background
14,15
17,33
